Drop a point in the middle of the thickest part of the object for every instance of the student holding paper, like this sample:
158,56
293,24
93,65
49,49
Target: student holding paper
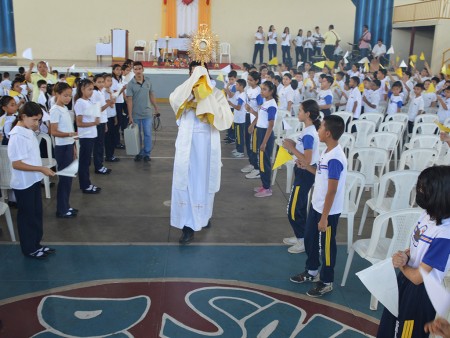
429,250
65,150
87,121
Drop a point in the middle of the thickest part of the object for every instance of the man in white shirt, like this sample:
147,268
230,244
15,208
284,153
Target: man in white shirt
317,41
378,51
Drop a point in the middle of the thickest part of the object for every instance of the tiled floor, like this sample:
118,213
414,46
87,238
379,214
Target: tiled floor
122,238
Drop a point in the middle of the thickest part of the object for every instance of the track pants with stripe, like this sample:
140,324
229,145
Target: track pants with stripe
414,311
298,201
264,162
239,130
321,245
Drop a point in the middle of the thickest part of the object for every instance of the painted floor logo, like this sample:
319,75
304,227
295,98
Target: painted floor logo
178,310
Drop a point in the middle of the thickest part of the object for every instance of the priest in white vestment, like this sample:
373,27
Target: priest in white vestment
201,111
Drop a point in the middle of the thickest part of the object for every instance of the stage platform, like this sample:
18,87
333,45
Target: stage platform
164,79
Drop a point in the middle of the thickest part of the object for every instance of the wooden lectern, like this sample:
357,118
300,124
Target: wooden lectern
119,39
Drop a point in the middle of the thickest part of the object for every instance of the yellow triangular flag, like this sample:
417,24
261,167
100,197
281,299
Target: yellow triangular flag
431,88
220,78
70,80
442,127
422,57
320,64
411,63
330,64
445,70
282,157
13,93
413,58
397,59
273,62
361,87
366,67
89,73
399,72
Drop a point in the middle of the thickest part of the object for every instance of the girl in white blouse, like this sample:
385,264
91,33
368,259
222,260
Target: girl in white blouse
259,45
286,46
272,42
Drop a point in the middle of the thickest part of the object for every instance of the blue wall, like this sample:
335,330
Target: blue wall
7,34
377,14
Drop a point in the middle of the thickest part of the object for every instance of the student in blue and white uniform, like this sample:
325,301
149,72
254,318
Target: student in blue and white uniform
299,46
239,117
372,97
416,106
307,146
429,249
272,42
444,106
259,45
254,101
230,90
286,94
354,100
286,46
265,119
326,206
325,95
395,102
27,173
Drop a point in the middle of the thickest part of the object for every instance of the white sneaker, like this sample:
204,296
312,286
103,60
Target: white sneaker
234,151
297,248
238,155
247,169
253,174
290,240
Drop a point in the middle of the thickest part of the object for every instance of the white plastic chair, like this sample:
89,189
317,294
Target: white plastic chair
4,210
151,50
425,128
418,159
374,117
346,116
363,129
48,162
354,187
400,117
425,141
444,156
378,247
225,50
394,127
431,110
404,183
385,140
427,118
367,161
5,171
347,142
139,44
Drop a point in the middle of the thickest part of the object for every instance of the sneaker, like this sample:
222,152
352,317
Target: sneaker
253,174
257,189
264,193
320,289
304,277
103,171
290,240
297,248
147,159
238,155
112,159
234,151
247,169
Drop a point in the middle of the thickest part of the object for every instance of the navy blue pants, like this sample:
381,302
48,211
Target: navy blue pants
230,133
286,55
298,54
99,146
298,201
64,157
321,245
414,311
111,137
272,50
265,164
122,121
86,147
29,217
259,48
239,130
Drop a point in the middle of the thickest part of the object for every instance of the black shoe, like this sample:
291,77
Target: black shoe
120,146
208,225
39,254
48,250
12,204
92,190
230,142
137,158
112,159
186,236
73,210
103,171
147,159
68,214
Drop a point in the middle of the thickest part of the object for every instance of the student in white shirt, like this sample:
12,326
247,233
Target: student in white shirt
43,95
341,106
378,51
259,45
65,150
326,206
99,146
354,99
111,129
8,112
395,102
372,97
239,117
317,38
307,147
265,119
310,85
299,46
429,97
325,95
308,47
118,88
5,85
286,46
444,106
416,106
272,42
298,97
16,93
27,173
384,88
87,133
286,94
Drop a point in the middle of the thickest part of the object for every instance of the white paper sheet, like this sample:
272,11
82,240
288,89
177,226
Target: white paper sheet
286,126
381,281
299,63
364,60
69,171
226,70
403,64
439,296
72,67
27,54
390,50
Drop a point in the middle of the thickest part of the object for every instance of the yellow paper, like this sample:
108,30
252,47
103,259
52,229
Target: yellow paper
220,78
361,87
320,64
90,74
413,58
399,72
282,157
445,70
13,93
422,57
431,88
273,62
366,67
411,63
330,64
70,80
442,127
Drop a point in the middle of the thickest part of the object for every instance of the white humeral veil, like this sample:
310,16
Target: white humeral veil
197,165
